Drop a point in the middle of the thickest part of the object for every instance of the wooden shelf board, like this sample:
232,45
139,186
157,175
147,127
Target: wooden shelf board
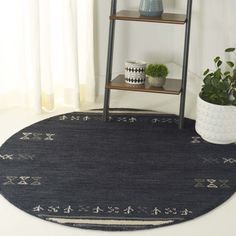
168,18
172,86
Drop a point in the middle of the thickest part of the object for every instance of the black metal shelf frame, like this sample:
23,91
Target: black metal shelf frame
184,69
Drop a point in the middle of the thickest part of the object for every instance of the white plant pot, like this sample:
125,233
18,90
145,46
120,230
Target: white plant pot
216,123
134,72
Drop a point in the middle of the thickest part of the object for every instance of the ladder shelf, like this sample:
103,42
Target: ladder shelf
172,86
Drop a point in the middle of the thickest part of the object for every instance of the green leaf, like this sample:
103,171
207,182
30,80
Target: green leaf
230,63
225,85
215,82
227,73
219,63
216,59
229,78
234,85
234,73
218,74
206,72
207,80
230,50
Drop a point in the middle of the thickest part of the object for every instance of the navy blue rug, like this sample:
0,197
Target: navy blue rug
133,172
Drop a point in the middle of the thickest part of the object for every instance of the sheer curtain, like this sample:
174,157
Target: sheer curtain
46,53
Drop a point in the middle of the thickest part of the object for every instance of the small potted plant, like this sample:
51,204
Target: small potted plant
216,108
156,74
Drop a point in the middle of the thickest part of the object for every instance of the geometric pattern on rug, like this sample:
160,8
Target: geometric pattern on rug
134,172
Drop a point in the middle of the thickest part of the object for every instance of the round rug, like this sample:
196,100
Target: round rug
133,172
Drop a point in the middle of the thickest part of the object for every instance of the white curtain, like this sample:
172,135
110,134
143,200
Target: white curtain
46,53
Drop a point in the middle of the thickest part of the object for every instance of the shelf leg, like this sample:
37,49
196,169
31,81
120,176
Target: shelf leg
185,65
109,61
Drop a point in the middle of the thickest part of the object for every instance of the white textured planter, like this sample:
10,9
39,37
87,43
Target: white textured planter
216,123
134,72
156,81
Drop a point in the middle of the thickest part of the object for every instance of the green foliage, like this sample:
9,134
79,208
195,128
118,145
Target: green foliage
220,85
157,70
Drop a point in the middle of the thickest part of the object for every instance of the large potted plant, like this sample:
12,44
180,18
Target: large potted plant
216,107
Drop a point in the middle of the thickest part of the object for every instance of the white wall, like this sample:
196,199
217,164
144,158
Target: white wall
213,29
